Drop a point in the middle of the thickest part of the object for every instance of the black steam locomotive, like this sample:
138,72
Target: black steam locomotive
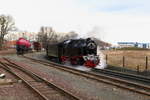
76,51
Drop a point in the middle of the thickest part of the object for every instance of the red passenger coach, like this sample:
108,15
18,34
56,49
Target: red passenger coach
37,46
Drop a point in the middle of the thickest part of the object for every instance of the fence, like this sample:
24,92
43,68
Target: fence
138,63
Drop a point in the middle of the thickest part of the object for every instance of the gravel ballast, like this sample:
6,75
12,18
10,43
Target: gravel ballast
85,88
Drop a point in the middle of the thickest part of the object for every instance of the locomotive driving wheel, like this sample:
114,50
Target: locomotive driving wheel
77,61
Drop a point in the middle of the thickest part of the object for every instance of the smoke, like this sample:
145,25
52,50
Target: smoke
83,68
102,64
96,32
78,67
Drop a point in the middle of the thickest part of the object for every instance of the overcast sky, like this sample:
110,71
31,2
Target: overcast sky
110,20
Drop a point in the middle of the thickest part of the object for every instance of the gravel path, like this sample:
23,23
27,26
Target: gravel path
82,86
16,91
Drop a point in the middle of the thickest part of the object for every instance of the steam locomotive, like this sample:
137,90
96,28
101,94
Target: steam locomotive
76,51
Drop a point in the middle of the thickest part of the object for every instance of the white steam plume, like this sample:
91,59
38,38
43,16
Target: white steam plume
102,64
96,32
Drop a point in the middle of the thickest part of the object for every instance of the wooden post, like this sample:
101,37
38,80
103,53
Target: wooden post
138,68
106,58
123,63
146,63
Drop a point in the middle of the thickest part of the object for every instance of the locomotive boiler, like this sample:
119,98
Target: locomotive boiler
76,51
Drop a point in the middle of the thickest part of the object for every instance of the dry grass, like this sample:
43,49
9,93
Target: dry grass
133,58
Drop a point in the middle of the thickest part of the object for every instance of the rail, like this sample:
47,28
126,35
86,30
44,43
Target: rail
43,82
132,86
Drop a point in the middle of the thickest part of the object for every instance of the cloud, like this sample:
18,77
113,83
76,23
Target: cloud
125,27
116,20
134,6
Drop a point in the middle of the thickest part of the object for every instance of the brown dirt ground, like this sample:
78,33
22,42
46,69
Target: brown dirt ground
7,51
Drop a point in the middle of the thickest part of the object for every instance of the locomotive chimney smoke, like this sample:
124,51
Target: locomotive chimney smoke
102,64
96,32
83,68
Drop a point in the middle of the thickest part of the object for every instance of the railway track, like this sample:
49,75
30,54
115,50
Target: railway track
121,83
45,89
126,76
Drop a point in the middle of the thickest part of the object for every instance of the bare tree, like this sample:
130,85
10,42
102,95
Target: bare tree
7,24
46,35
73,34
70,35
